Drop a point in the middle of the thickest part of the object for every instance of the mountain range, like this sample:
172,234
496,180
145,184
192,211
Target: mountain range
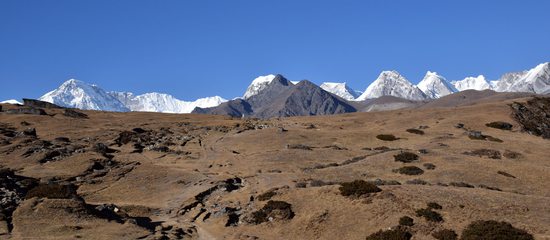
275,96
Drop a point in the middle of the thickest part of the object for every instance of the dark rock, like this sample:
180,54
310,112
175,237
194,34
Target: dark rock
30,132
53,191
62,139
139,130
38,104
500,125
74,114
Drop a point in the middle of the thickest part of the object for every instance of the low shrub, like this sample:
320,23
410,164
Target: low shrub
387,137
429,215
358,188
273,209
511,154
416,182
267,195
405,157
298,146
53,191
409,170
493,230
395,234
445,234
500,125
301,185
490,153
429,166
434,205
415,131
406,221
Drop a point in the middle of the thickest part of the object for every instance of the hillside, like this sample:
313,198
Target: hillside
137,175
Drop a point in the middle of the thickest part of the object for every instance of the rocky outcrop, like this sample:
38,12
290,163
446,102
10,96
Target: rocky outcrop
533,116
38,104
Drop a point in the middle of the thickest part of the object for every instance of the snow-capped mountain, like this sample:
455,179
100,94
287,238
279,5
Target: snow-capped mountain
435,86
476,83
160,102
391,83
12,101
536,80
340,89
77,94
257,85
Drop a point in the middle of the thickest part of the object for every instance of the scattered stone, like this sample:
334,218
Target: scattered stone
459,125
423,151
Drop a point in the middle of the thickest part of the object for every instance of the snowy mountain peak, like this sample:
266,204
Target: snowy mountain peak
12,101
161,102
435,85
78,94
391,83
340,89
257,85
535,80
476,83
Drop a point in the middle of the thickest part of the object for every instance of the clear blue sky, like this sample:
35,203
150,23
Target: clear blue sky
194,49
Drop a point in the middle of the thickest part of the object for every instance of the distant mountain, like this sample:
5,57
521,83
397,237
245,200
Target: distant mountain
77,94
340,89
536,80
281,98
11,101
275,96
435,86
160,102
472,83
391,83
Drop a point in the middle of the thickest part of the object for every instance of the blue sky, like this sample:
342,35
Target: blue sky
194,49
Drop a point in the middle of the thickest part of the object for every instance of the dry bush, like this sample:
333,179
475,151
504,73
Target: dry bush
409,170
395,234
415,131
500,125
405,157
493,230
358,188
387,137
445,234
